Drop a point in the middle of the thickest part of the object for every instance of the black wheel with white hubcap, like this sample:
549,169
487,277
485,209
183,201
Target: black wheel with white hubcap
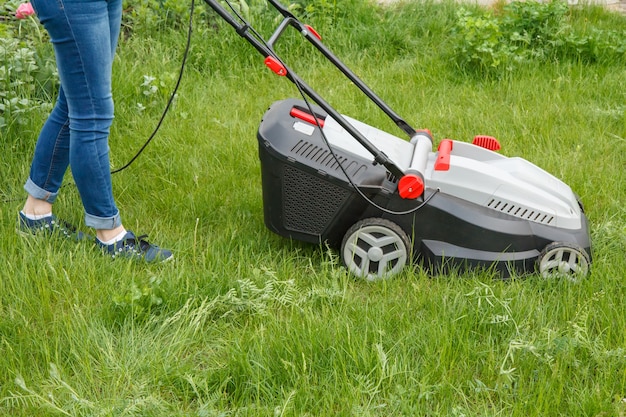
375,248
563,260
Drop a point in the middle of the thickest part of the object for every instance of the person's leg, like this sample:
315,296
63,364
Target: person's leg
84,35
48,168
50,161
85,58
114,9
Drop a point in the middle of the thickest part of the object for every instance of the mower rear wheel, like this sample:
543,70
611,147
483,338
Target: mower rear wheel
375,248
563,260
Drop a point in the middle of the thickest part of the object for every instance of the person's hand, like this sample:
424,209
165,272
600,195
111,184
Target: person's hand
24,10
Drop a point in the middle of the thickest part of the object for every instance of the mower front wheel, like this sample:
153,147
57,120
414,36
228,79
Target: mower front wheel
375,248
563,260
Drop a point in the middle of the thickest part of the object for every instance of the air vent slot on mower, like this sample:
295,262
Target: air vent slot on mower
326,160
520,211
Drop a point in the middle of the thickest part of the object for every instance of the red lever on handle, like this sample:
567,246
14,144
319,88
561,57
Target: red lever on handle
443,156
276,66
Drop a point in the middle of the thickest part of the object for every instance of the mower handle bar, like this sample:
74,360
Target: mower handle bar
399,121
266,48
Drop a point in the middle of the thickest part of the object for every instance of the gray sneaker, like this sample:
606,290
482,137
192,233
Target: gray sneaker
136,248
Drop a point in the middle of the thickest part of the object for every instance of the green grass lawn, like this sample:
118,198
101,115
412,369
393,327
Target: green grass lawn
246,323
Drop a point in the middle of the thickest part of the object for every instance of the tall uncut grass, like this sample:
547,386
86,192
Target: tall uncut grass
246,323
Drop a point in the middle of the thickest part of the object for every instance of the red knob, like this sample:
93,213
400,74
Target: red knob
411,186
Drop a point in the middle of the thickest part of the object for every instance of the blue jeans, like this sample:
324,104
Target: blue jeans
84,34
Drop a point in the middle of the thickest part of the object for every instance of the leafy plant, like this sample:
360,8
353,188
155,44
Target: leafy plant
527,32
533,25
479,43
140,299
27,71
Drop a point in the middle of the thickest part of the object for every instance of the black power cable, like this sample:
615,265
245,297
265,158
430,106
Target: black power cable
172,96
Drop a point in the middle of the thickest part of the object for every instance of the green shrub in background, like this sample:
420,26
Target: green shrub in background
480,43
524,32
534,26
28,78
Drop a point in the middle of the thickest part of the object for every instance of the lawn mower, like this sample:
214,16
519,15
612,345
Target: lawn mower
386,202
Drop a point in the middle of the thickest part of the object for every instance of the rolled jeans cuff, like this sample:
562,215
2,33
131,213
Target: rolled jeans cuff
39,193
106,223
